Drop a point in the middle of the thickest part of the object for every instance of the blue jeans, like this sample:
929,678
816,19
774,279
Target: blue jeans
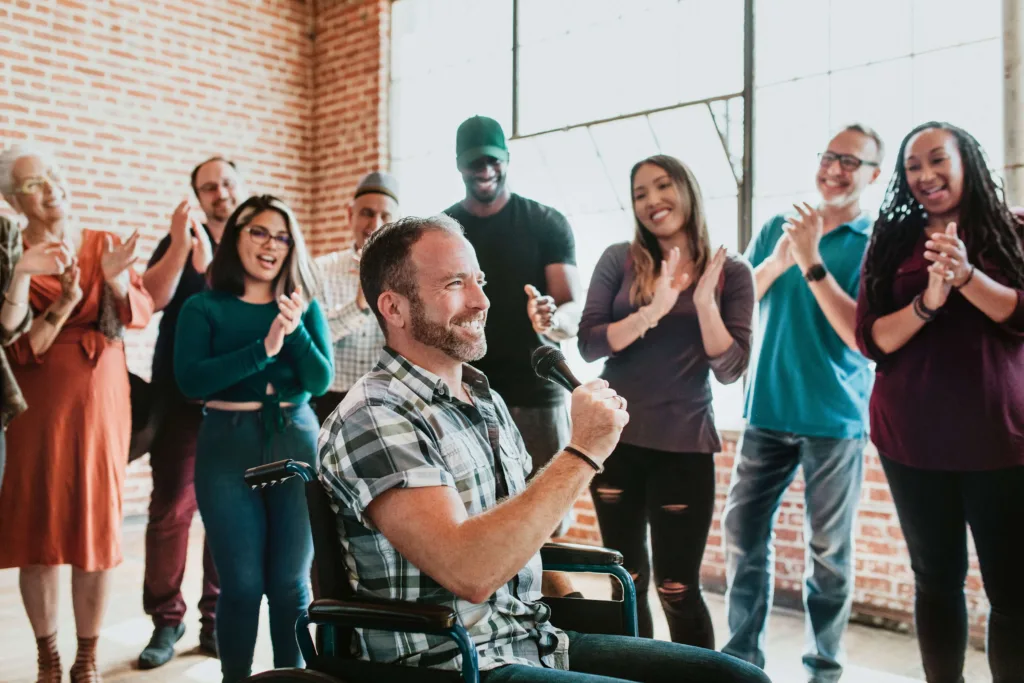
592,659
260,540
765,466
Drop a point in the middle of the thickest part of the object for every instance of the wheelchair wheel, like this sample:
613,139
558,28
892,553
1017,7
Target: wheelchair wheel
292,676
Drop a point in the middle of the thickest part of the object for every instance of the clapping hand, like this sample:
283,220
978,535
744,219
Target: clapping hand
704,293
949,258
947,249
288,318
804,232
671,281
71,286
540,309
118,258
782,254
45,258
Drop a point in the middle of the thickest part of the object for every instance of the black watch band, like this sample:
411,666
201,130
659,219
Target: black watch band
815,273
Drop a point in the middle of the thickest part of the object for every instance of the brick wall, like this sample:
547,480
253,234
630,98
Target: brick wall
884,592
349,108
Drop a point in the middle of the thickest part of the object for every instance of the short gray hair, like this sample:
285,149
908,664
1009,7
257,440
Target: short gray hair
871,133
10,156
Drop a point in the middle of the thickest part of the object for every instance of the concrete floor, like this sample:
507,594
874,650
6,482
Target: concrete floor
875,656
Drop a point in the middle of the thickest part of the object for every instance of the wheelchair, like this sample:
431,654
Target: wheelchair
337,611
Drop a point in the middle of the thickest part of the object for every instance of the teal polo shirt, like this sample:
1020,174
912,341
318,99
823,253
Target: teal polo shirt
804,380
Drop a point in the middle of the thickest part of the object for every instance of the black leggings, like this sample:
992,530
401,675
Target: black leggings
935,508
675,494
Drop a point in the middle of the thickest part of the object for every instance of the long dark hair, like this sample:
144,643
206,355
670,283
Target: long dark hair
990,231
645,250
227,274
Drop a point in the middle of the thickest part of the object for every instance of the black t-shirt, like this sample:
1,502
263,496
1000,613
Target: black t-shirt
513,247
191,282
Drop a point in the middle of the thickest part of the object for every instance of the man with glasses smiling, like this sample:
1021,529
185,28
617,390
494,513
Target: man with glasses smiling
807,402
175,272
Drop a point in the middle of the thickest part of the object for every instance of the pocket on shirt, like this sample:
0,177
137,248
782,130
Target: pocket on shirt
459,458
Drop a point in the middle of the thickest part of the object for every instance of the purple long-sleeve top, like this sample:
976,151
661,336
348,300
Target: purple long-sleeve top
665,376
952,398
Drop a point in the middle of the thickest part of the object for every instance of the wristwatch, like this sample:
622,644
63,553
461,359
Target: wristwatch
815,273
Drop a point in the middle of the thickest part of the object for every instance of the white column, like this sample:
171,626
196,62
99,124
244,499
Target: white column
1013,100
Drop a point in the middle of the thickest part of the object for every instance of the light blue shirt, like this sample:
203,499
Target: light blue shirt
803,379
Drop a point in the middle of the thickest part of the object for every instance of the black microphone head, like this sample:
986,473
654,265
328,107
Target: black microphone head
544,358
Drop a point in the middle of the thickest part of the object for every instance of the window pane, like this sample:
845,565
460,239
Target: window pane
690,134
624,58
963,85
791,126
427,35
777,24
868,31
945,23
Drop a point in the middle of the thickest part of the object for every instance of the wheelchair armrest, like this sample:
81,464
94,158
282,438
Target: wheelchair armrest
574,553
384,615
276,472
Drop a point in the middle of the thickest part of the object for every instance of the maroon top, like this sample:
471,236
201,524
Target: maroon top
952,398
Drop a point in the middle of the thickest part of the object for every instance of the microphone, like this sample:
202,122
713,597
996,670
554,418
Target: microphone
549,363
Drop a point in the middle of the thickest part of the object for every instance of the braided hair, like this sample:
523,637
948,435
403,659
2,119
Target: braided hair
993,235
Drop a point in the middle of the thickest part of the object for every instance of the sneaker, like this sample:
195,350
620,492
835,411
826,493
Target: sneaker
208,642
161,646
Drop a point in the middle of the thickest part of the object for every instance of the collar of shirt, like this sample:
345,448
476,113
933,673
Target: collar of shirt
426,384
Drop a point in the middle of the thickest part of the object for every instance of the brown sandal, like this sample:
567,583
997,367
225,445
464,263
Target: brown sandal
84,669
49,660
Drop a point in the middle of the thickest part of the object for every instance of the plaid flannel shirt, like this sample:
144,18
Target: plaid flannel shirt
355,335
400,426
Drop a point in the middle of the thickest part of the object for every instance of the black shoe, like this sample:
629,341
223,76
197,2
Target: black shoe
208,642
161,646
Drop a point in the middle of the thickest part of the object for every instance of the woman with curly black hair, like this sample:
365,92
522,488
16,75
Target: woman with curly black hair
941,311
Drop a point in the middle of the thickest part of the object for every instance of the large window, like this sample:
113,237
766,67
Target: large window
604,83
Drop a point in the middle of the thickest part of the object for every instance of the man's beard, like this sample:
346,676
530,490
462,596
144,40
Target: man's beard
223,210
488,196
443,338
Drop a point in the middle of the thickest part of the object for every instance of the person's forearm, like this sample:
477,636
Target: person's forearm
765,276
839,308
518,526
892,331
162,279
565,324
713,332
47,327
15,304
995,300
626,331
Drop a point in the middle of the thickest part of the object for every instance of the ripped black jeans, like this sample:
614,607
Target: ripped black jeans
675,494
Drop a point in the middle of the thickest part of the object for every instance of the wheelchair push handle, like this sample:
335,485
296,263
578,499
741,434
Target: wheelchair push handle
276,472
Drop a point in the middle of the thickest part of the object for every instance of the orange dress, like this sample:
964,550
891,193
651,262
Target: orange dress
66,455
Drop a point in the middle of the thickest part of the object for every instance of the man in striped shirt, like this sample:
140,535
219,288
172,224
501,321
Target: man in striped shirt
355,334
427,474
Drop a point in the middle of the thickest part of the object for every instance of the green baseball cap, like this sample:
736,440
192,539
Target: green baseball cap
477,137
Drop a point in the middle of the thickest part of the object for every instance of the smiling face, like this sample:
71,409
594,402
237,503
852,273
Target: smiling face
219,189
264,245
368,212
39,190
935,172
848,165
449,308
658,203
484,178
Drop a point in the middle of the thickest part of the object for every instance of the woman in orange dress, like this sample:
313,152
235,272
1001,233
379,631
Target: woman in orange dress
61,497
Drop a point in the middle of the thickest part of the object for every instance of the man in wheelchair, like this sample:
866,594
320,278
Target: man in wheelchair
427,473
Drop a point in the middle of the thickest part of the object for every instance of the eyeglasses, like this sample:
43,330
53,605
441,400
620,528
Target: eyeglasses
36,184
261,236
228,184
847,162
